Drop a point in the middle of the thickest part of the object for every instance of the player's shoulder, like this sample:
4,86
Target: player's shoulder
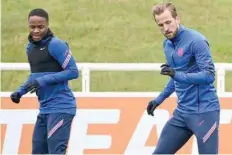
197,39
166,42
28,46
194,35
57,46
55,41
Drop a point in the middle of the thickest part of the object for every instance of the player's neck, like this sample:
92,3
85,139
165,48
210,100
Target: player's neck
178,34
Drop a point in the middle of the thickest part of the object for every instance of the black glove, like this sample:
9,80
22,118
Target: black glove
15,97
32,87
167,70
152,105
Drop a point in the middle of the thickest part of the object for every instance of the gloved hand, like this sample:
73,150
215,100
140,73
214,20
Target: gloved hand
15,97
152,105
32,87
167,70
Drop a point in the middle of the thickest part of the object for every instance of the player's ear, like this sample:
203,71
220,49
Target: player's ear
178,19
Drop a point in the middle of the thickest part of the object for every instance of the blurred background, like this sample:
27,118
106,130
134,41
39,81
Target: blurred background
113,31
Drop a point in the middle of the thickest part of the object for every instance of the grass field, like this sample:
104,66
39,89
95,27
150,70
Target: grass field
113,31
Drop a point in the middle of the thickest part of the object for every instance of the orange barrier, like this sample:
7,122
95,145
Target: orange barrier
104,126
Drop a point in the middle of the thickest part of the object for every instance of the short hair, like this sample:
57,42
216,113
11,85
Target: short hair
161,7
39,12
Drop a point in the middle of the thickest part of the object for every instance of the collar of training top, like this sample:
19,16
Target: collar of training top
177,37
45,39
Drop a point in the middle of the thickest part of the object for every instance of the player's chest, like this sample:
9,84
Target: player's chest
178,55
38,55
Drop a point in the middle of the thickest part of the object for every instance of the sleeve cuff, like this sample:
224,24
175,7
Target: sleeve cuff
158,100
21,92
177,76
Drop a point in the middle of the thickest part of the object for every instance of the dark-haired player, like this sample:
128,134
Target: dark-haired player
52,66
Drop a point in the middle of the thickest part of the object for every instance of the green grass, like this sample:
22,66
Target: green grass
113,31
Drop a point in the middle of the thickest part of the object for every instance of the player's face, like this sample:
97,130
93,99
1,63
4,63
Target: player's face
167,24
38,27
